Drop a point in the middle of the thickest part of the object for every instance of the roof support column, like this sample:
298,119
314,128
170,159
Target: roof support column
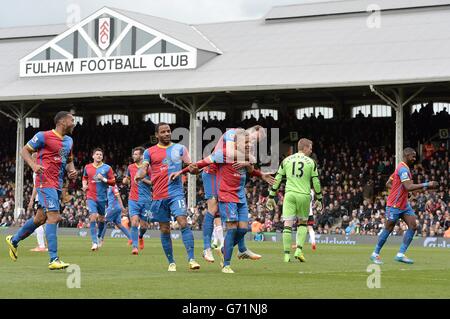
397,103
191,106
19,115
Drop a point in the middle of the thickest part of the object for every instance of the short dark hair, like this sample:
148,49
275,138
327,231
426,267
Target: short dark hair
60,115
408,150
97,149
157,126
138,148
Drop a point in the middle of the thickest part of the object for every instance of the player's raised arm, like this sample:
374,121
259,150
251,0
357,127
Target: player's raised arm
193,167
269,179
409,184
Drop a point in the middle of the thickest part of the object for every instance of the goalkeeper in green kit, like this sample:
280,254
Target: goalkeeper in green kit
300,172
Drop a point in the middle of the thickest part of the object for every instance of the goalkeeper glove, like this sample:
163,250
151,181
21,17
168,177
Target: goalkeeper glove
270,204
318,205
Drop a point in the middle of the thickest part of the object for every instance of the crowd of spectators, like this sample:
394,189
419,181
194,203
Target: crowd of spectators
355,159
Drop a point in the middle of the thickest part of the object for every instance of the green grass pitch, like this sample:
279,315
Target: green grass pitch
331,271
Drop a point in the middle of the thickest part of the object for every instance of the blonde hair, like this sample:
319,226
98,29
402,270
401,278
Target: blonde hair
302,143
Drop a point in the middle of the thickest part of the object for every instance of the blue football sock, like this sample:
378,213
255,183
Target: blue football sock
240,239
407,239
166,242
142,232
52,241
26,230
134,236
124,230
188,241
228,245
381,240
208,228
102,236
93,226
101,229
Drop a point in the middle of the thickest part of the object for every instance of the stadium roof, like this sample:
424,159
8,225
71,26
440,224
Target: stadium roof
320,45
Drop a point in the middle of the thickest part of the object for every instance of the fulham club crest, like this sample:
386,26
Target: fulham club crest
104,32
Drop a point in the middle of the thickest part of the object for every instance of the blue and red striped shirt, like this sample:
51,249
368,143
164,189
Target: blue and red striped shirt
141,190
398,196
163,162
54,152
97,189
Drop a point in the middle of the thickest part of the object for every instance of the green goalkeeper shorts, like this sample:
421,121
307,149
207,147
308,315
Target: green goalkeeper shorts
296,205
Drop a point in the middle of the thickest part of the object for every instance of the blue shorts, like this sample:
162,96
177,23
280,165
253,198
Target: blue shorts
49,199
96,207
163,209
233,212
393,214
209,185
143,209
114,215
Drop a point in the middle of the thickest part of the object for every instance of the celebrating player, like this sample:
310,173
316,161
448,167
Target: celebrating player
96,178
139,200
300,172
54,149
114,211
231,180
397,206
168,198
212,222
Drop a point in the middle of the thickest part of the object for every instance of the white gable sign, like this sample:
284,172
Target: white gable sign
108,42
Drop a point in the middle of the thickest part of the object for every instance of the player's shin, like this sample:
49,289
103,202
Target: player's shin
312,235
124,230
93,228
287,239
25,231
228,246
166,242
240,239
134,236
50,232
142,231
40,236
218,233
188,241
208,227
101,229
407,239
381,240
302,230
